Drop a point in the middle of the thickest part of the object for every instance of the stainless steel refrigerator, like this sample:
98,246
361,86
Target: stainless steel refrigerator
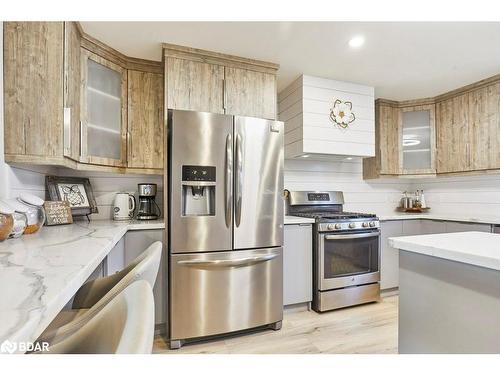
225,224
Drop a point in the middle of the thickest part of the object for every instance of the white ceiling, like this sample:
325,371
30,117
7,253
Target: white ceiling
401,60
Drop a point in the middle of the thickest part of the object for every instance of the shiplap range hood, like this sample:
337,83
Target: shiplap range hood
305,107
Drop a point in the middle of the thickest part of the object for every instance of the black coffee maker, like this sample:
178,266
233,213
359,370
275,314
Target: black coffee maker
148,208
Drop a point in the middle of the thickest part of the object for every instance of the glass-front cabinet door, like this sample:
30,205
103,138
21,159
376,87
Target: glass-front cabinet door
418,143
104,95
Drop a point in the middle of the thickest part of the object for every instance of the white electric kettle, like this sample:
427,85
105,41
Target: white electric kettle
124,206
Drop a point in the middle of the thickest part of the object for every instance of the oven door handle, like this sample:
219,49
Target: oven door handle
350,236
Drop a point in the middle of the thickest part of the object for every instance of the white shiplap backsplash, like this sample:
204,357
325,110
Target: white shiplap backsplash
462,194
379,197
104,185
445,195
27,180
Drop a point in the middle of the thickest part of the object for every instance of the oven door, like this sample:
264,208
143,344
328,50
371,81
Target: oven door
346,259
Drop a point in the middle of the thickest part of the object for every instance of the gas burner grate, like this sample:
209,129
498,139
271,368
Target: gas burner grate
333,215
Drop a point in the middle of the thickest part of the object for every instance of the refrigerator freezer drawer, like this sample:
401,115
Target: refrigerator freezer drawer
215,293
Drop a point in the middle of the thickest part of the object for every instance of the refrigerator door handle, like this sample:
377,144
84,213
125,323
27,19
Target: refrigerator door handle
228,262
229,178
239,180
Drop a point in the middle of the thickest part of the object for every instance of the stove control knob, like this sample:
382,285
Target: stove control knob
330,226
365,224
372,224
338,226
352,225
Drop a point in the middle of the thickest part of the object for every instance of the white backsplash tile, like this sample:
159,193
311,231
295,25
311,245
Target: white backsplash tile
104,185
379,197
445,195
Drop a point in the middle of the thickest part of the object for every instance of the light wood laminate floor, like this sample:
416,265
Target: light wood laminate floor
370,328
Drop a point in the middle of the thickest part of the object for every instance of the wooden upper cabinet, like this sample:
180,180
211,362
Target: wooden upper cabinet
250,93
484,127
103,111
33,88
208,81
72,83
145,120
405,140
388,139
453,152
194,85
494,124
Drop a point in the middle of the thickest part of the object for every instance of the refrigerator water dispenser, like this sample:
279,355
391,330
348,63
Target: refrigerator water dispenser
198,190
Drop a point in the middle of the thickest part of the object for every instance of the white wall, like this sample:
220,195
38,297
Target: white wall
379,197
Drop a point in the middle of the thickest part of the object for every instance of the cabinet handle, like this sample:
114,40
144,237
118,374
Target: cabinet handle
224,96
467,150
129,148
67,129
81,138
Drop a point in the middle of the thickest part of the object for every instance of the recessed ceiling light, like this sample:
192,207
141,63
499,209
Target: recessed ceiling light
305,156
357,41
348,158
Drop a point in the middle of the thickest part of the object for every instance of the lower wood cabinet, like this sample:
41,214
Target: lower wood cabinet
297,264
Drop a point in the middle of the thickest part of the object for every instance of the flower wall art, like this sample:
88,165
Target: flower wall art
341,113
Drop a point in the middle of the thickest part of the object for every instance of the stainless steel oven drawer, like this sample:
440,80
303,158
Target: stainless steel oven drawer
346,281
338,298
215,293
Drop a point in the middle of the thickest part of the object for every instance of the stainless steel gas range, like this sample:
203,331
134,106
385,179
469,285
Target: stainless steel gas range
346,256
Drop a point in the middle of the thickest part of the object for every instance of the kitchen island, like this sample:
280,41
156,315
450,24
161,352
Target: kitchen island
39,273
449,293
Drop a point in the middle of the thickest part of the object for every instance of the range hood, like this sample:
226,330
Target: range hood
326,118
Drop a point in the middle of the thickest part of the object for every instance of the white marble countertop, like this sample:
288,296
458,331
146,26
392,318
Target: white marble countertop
476,248
297,220
485,219
39,273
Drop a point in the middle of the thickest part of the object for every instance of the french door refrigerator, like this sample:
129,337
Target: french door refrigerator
225,224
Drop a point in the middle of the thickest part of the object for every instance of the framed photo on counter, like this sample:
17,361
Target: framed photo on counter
77,191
